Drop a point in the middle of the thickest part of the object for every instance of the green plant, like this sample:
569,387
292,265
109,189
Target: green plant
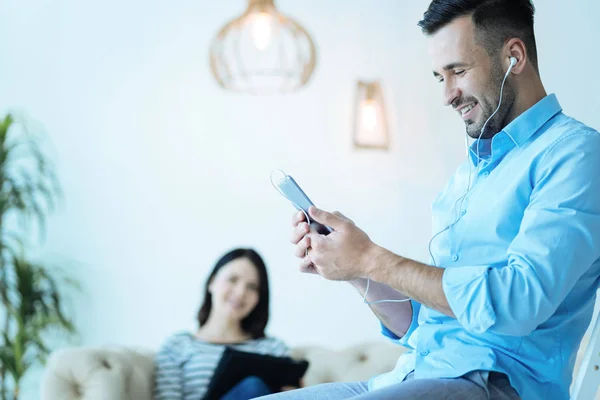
31,293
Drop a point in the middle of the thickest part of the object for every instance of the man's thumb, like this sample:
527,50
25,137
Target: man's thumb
325,218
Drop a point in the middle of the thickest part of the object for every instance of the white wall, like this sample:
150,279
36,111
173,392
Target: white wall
163,171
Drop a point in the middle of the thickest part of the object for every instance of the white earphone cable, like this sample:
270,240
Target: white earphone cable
464,196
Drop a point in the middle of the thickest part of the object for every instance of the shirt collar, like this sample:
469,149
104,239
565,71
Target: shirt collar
528,123
519,130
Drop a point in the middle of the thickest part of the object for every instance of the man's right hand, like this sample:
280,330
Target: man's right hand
301,240
396,316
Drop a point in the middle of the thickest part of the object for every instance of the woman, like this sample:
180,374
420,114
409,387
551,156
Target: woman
234,313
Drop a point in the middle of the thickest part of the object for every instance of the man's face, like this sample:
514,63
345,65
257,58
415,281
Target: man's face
471,79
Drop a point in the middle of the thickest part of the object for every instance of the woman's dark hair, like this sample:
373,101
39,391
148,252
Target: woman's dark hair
256,322
496,20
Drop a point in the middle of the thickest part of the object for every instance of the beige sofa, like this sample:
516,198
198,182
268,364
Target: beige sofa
120,373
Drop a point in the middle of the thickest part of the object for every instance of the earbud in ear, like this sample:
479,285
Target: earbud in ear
513,62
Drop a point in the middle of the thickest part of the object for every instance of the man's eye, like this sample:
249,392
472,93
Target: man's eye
440,79
460,72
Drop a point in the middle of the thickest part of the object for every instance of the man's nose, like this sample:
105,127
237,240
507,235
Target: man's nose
451,93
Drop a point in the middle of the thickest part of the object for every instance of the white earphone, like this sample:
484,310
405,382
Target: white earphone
513,62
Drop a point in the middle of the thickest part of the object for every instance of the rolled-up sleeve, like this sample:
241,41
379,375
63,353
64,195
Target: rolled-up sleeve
558,240
414,323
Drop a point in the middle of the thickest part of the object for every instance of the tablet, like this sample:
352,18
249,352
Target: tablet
235,365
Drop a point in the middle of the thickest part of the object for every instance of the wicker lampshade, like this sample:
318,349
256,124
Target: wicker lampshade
262,52
370,119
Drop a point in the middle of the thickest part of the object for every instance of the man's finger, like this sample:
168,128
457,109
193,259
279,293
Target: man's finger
301,247
326,218
317,241
299,232
306,266
297,218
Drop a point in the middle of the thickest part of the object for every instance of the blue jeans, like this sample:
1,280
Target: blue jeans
248,388
477,385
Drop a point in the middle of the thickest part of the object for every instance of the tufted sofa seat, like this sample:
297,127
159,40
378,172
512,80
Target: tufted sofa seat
122,373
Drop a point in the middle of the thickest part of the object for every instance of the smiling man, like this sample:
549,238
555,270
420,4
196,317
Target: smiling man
500,310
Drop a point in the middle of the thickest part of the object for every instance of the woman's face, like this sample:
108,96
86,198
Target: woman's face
235,289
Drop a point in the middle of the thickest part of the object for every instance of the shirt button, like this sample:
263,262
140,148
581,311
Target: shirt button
463,212
485,173
455,257
424,353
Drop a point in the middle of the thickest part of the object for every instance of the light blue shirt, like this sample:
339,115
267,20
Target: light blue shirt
521,254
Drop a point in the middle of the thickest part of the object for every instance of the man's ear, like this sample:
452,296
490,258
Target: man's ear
516,48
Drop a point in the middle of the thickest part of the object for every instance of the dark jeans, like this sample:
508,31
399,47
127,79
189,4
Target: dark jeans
248,388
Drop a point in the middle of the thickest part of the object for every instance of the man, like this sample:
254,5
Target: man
516,239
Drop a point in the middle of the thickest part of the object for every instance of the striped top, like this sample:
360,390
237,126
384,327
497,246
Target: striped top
186,364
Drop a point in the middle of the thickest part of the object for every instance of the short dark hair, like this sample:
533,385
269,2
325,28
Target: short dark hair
499,20
256,322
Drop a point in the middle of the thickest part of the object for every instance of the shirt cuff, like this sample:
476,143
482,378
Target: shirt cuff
414,323
468,294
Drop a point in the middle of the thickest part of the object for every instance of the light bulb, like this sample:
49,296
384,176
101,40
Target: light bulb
261,29
369,115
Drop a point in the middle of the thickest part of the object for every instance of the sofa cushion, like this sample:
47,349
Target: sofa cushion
99,373
355,363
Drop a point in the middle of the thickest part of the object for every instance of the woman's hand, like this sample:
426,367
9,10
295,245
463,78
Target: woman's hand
288,388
